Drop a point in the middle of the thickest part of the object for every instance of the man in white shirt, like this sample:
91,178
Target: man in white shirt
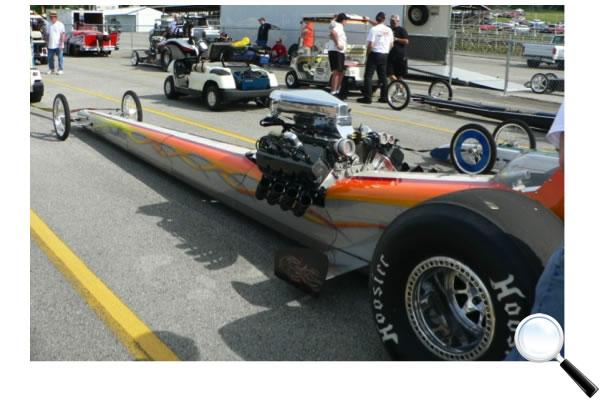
337,52
380,41
56,43
172,29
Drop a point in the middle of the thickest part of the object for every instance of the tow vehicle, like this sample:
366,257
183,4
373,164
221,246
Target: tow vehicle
453,259
226,75
313,69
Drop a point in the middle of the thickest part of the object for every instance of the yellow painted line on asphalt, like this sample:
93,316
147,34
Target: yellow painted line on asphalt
366,113
158,112
137,338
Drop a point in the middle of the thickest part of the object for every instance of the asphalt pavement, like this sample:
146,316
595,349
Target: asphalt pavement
199,274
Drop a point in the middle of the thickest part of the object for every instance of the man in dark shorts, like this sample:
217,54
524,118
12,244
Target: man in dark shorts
398,59
337,52
263,32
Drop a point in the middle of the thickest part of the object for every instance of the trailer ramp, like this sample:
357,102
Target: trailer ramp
467,77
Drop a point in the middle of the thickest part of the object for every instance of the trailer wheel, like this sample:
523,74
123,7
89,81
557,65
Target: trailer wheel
552,86
61,117
514,133
472,150
135,58
212,97
531,63
451,278
398,94
291,79
165,58
440,89
169,88
539,83
131,107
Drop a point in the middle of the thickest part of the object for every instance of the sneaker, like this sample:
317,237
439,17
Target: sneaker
340,96
49,72
382,100
363,100
60,72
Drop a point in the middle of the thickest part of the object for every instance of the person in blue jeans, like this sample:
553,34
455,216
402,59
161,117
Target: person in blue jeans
56,43
550,289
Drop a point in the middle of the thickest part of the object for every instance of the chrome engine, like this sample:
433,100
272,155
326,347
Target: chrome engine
317,146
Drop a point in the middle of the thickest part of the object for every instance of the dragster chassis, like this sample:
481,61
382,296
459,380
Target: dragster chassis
437,245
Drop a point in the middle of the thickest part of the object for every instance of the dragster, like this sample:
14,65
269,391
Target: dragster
452,259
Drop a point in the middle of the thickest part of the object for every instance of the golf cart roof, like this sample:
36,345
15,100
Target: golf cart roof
326,18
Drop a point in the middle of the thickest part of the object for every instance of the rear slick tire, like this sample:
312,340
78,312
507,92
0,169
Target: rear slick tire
451,278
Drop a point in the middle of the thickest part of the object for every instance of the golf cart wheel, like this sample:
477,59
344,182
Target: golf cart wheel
262,101
473,150
169,88
212,97
165,58
398,94
291,79
514,134
61,117
135,58
539,83
131,107
440,89
451,278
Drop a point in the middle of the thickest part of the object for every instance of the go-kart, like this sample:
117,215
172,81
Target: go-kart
225,76
453,259
162,52
313,69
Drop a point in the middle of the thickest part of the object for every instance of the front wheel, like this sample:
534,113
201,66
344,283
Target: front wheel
515,134
440,89
135,58
473,150
169,88
61,117
451,278
131,107
212,97
398,94
539,83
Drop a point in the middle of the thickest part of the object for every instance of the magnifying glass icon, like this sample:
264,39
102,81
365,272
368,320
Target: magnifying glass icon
539,338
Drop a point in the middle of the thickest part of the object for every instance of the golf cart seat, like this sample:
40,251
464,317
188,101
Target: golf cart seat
184,66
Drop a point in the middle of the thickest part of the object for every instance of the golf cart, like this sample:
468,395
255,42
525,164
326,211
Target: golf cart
313,69
227,75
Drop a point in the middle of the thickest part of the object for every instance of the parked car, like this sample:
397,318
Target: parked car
550,53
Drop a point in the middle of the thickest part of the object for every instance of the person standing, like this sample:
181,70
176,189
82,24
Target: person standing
308,37
337,52
263,32
550,288
56,43
398,59
172,28
380,42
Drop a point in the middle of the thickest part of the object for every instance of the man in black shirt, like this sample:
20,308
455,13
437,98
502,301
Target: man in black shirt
398,59
263,32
